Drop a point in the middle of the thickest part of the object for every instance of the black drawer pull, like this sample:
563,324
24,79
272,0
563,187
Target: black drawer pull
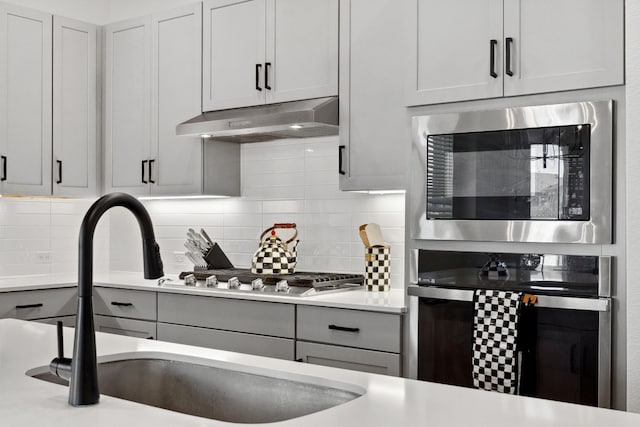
343,328
267,65
144,181
122,304
151,171
4,168
59,180
341,149
301,360
19,307
258,69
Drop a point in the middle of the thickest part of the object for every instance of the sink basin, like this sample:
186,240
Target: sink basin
214,392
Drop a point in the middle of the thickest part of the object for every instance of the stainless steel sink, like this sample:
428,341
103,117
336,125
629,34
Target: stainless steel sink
212,392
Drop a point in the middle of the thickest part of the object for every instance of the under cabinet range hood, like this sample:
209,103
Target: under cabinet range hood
295,119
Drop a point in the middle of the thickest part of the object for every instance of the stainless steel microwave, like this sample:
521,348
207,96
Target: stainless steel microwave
521,174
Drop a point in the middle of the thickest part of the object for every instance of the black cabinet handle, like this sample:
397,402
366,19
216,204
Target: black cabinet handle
492,60
20,307
151,171
258,69
341,149
121,304
4,168
267,65
300,360
59,162
144,162
343,328
508,43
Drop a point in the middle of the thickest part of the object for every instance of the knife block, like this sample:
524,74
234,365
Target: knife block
216,260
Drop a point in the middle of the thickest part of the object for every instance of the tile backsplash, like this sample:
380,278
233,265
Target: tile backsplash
282,181
40,236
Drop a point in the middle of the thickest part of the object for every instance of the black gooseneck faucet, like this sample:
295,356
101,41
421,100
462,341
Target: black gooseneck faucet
82,368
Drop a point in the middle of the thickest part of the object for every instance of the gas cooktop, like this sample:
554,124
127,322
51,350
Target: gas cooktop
241,280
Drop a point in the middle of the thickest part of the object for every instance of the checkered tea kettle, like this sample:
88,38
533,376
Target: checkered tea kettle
273,256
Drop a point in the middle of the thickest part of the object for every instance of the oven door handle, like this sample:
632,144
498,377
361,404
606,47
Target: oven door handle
544,301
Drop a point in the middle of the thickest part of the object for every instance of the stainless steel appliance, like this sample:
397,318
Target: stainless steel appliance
521,174
568,329
300,284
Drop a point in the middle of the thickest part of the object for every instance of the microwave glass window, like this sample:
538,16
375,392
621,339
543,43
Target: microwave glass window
518,174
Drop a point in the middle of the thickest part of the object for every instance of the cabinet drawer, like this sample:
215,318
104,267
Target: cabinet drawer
353,328
375,362
28,305
256,317
69,321
281,348
125,303
127,327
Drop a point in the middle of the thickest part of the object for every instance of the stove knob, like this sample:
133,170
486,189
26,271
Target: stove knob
190,280
257,285
211,281
233,283
282,286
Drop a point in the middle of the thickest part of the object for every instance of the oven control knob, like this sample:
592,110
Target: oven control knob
257,284
190,280
233,283
282,286
211,281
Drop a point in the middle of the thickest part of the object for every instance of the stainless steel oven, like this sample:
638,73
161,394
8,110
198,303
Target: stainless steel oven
568,330
525,174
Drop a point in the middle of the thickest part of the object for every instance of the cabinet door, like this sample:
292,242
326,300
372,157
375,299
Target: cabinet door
127,327
176,58
374,126
375,362
302,49
25,100
127,112
451,51
74,108
233,53
564,44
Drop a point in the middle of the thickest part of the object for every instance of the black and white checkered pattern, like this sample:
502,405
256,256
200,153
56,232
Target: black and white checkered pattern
377,268
273,259
495,333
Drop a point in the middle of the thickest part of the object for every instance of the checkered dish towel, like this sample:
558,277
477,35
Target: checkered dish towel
495,333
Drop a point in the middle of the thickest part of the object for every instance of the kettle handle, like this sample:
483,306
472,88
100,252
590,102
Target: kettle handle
282,225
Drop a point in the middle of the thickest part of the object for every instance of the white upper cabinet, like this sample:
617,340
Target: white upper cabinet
374,127
74,108
233,54
127,106
457,47
25,101
302,49
474,49
563,44
268,51
176,64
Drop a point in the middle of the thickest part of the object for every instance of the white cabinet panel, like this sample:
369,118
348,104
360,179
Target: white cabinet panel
452,41
127,327
374,128
74,108
233,54
128,99
176,57
25,95
302,49
580,44
375,362
28,305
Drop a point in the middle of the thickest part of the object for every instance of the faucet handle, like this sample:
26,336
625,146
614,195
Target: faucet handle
60,366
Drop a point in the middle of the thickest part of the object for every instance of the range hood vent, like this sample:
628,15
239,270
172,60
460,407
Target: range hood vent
296,119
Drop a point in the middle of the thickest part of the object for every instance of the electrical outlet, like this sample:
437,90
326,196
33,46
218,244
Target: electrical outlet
179,257
43,257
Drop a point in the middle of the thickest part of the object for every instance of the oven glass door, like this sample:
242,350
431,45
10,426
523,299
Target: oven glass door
514,174
562,364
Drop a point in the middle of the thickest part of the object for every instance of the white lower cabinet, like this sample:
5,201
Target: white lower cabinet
125,312
351,339
38,304
129,327
375,362
280,348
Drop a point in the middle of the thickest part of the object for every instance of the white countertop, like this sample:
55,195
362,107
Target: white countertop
388,401
358,299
